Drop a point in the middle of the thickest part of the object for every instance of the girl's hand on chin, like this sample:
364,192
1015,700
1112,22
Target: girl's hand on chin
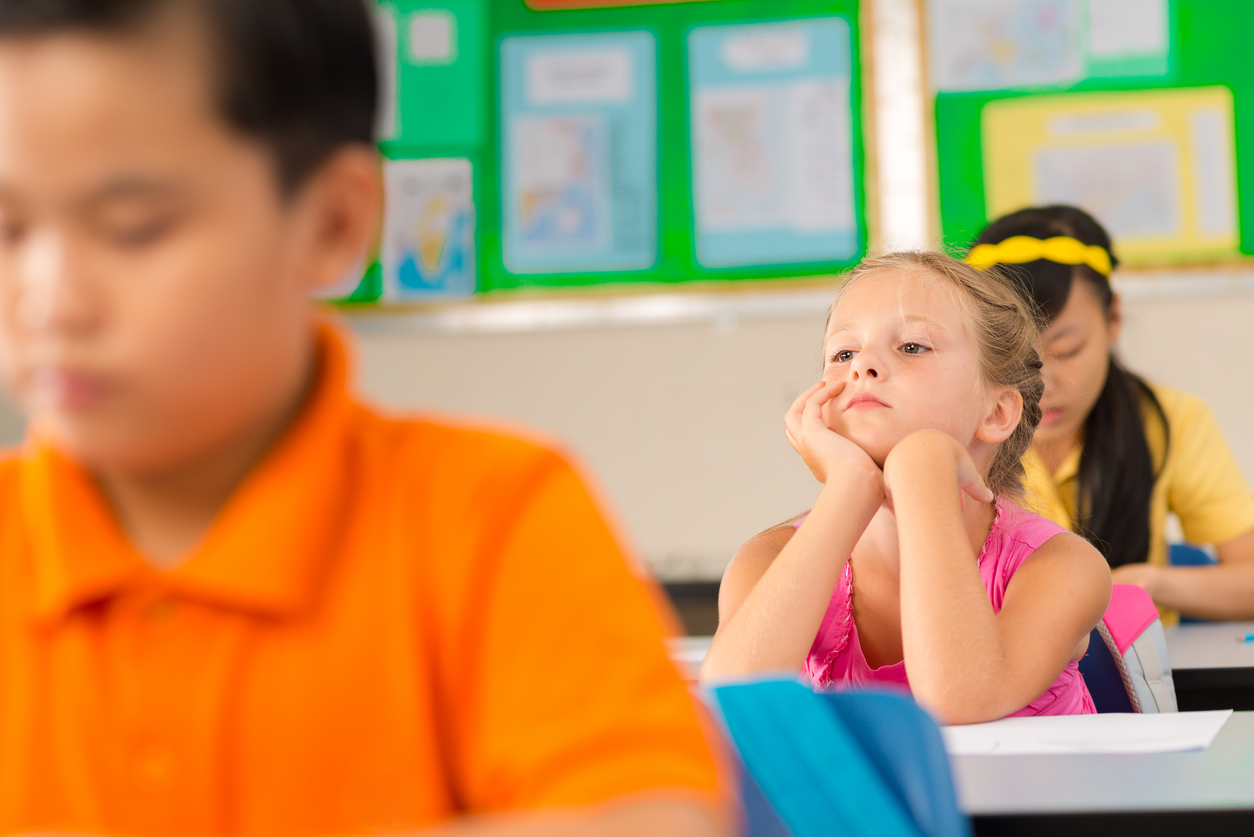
824,450
929,454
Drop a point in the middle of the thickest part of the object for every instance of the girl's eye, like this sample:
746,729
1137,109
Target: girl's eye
914,348
843,356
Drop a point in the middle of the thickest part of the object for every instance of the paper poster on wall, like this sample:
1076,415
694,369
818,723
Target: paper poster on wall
982,45
1156,167
555,5
772,148
579,152
428,246
434,84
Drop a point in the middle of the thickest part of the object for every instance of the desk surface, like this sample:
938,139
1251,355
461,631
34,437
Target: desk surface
688,653
1189,646
1221,776
1210,645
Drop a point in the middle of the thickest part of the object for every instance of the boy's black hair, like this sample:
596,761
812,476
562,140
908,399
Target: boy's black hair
1117,473
298,75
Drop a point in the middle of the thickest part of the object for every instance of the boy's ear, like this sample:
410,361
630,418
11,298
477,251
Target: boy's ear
1002,419
344,205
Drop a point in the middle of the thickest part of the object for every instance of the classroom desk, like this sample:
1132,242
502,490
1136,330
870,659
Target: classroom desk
1210,668
1208,792
688,653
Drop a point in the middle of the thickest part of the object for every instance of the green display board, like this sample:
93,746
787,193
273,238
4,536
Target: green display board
1185,115
579,129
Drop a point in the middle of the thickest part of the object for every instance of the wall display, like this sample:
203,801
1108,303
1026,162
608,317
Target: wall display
772,151
434,72
579,152
1156,166
1162,159
978,45
575,118
566,5
428,246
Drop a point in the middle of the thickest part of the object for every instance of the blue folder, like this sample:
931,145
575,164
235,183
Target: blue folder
851,763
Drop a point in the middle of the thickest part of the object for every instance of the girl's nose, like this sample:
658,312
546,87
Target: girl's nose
864,365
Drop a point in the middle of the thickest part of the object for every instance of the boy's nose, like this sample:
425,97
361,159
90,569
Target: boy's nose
50,295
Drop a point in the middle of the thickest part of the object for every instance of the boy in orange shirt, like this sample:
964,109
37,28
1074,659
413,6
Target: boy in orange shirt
232,598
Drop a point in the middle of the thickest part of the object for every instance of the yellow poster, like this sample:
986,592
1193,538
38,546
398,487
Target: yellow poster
1156,167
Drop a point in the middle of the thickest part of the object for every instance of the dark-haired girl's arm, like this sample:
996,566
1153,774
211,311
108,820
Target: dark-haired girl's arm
1222,591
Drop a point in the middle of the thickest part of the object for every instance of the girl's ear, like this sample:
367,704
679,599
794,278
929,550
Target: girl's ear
1002,419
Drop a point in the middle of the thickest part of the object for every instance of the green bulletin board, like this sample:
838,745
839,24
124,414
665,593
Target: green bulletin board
1135,106
461,65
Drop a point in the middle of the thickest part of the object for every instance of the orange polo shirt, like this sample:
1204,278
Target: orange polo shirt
391,622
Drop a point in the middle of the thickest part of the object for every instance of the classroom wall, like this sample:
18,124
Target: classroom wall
681,425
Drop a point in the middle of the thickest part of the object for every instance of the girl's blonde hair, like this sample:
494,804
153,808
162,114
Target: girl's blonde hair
1005,332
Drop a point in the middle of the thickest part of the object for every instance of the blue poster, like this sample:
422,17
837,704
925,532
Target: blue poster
579,152
428,246
772,143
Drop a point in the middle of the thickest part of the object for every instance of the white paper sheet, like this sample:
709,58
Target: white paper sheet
1169,732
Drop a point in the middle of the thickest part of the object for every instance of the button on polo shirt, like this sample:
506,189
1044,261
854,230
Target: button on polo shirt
392,621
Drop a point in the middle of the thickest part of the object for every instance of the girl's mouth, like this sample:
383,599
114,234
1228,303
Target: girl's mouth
864,401
1050,416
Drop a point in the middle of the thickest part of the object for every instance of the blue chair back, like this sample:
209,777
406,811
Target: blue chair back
853,763
1101,675
1187,555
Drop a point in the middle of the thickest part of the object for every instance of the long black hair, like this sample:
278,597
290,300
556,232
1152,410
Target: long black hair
1117,471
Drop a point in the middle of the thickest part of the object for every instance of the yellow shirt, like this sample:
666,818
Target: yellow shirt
1200,482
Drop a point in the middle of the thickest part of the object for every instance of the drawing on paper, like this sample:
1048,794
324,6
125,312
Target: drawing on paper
1156,167
772,150
579,162
982,45
428,241
561,184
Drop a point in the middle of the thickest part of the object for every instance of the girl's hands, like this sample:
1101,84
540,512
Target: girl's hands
928,454
824,450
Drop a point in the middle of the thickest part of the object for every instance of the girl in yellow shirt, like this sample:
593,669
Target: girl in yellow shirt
1113,454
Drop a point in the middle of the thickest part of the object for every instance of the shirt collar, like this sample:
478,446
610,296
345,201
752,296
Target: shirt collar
1066,470
263,552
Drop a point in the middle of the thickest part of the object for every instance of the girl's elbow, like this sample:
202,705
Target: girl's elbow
949,711
974,704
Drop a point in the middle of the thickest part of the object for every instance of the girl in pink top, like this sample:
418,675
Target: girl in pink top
913,568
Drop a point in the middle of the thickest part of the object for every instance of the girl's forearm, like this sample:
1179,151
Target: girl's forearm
954,650
775,626
1224,591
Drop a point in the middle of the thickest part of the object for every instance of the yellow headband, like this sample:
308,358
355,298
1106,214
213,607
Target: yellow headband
1021,249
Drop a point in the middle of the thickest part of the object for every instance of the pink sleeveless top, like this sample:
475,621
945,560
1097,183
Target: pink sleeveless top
836,657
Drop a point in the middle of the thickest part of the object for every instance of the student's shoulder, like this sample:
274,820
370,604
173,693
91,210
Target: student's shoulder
450,450
10,468
10,486
753,559
1179,407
